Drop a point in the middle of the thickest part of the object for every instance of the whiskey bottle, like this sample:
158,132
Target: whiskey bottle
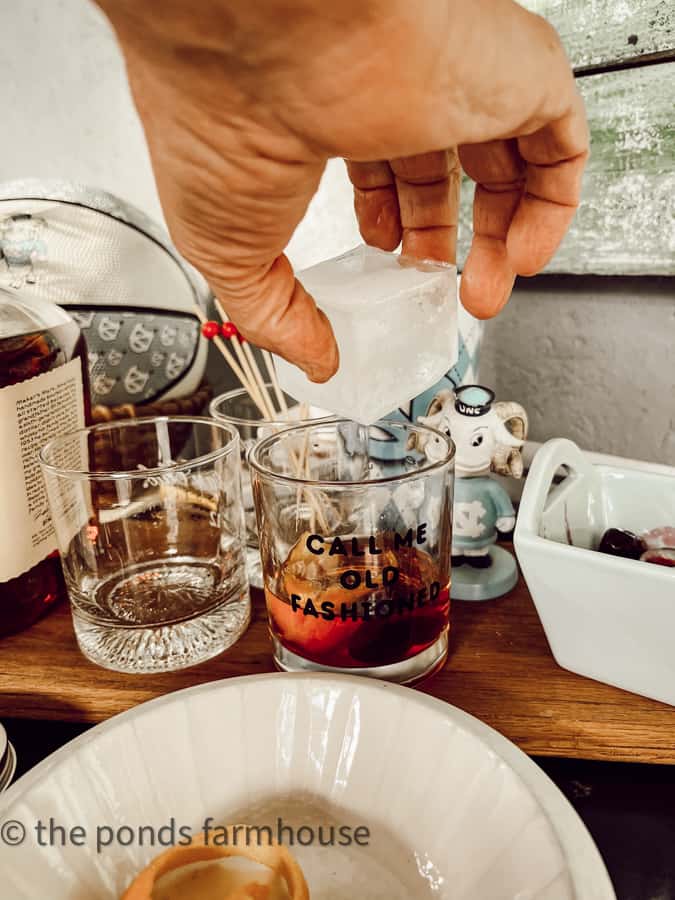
43,393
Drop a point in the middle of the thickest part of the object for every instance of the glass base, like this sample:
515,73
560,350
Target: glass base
409,671
165,648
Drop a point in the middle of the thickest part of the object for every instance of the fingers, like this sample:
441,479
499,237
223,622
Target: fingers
277,313
556,157
237,245
232,197
376,203
414,198
428,197
527,192
488,274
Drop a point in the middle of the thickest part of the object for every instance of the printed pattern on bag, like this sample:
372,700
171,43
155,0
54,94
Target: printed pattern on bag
134,357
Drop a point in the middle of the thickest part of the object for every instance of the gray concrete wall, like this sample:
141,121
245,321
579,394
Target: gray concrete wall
592,359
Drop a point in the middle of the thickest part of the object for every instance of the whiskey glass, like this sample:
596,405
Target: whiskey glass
149,525
355,527
239,410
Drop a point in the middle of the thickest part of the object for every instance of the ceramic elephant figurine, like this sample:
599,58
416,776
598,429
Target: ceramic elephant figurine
488,437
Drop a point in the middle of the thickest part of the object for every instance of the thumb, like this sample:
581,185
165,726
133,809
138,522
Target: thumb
233,191
232,226
277,313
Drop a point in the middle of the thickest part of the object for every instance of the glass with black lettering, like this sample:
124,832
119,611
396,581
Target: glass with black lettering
355,533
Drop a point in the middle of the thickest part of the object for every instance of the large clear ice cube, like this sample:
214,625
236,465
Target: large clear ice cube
395,321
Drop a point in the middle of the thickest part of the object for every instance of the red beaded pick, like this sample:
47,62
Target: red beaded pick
210,330
229,330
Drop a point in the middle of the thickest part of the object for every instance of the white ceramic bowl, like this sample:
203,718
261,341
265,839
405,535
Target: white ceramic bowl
454,810
607,618
7,760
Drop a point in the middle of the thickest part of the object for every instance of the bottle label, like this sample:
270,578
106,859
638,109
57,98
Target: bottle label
31,413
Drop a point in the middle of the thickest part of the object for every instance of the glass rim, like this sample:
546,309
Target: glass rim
265,472
85,475
237,420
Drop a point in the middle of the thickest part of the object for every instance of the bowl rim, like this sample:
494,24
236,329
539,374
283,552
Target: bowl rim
586,868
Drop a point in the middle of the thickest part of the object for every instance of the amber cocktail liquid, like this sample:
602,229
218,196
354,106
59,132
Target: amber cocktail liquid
353,597
359,602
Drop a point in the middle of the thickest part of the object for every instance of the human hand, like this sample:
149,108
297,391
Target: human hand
243,102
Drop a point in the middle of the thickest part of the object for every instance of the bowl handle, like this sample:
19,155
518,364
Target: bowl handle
548,460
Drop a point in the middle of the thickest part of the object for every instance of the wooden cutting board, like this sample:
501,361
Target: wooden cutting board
500,669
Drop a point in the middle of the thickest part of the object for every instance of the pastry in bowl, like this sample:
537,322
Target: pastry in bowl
266,871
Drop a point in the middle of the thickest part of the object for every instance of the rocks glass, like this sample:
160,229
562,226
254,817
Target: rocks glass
240,411
355,538
149,525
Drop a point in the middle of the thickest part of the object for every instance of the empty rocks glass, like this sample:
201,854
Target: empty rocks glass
150,528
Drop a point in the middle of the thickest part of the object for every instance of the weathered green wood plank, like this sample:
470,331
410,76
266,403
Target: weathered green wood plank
626,222
610,32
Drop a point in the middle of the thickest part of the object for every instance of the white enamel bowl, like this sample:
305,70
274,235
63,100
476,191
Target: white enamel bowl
453,809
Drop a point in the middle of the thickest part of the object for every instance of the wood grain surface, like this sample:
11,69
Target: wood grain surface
599,33
624,225
500,669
